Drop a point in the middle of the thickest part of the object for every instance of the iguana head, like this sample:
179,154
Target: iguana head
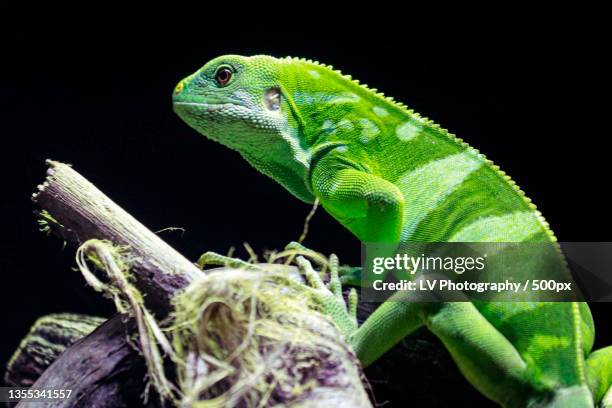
242,103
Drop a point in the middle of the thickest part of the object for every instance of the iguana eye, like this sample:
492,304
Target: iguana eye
223,76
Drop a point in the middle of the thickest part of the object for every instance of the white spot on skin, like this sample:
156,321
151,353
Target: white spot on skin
408,131
346,97
427,186
368,130
380,112
305,98
314,74
328,126
345,124
342,149
516,227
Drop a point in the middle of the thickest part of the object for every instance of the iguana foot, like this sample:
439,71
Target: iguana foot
349,275
330,297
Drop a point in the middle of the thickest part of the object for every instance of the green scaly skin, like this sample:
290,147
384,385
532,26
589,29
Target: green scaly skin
389,175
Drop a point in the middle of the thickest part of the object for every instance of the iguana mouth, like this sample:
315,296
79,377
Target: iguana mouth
196,109
208,107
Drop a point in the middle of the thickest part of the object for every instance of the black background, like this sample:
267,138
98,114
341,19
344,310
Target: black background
94,91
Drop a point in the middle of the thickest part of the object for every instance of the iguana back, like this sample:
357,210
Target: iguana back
451,193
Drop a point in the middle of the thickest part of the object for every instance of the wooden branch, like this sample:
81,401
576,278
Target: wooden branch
48,338
102,369
78,211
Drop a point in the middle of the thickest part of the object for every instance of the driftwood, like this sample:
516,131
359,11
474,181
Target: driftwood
103,369
48,338
77,211
429,364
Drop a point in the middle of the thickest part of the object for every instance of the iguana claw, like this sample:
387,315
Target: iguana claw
349,275
330,297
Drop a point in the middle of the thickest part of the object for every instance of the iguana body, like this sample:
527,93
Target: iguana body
389,175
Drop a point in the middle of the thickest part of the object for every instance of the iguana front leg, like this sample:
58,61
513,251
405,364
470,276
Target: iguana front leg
369,206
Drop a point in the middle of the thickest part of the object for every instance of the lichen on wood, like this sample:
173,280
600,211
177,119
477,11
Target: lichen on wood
236,337
257,337
229,337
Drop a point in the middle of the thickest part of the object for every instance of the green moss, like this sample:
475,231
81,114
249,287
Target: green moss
249,336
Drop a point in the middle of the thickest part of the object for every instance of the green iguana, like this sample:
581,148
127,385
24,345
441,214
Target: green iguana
390,175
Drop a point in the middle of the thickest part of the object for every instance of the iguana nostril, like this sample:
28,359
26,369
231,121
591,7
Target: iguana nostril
179,88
